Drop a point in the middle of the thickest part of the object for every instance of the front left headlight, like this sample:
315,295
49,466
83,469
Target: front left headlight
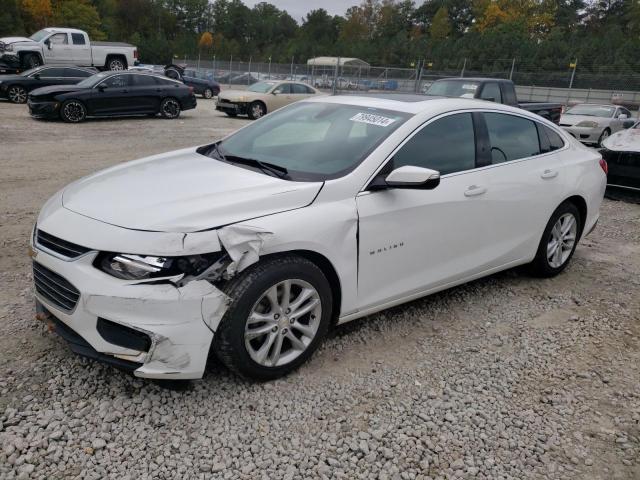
587,124
143,267
8,47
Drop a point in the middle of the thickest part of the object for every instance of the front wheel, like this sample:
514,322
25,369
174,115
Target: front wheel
605,134
17,94
73,111
257,110
558,242
32,60
279,312
170,108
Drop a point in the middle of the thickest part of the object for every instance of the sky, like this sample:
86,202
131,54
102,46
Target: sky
298,9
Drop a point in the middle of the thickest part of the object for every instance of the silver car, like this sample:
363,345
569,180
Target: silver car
592,123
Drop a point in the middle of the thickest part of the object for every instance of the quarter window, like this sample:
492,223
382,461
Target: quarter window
491,92
446,145
511,137
78,39
555,140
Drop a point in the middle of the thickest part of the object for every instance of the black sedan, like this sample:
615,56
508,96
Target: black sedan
110,94
202,85
15,88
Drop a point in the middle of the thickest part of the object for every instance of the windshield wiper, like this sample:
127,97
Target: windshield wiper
277,170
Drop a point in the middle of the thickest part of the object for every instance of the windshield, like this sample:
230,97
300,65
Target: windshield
261,87
592,111
91,81
313,141
453,88
39,35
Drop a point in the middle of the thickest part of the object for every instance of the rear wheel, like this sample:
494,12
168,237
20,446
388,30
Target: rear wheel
170,108
279,312
17,94
558,242
257,110
73,111
208,93
116,63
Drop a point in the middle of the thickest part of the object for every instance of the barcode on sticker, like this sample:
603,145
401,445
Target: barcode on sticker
372,119
469,86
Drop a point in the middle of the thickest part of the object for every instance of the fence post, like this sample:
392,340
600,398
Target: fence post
418,75
292,68
269,74
230,65
214,67
464,66
513,66
198,67
335,77
573,76
249,76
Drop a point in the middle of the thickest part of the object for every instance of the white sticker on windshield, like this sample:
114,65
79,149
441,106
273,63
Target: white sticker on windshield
469,86
372,119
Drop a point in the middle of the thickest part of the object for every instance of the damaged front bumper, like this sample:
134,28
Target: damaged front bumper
179,322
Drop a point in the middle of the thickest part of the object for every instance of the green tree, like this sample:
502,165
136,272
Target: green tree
11,18
441,26
79,14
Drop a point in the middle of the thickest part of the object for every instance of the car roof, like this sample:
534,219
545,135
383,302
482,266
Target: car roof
62,30
414,104
474,79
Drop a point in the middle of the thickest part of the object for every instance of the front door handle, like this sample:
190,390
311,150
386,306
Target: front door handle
474,191
549,174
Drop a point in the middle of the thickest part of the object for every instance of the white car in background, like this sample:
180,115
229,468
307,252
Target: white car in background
592,124
325,211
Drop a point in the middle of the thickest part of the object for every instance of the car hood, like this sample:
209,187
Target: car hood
183,191
568,119
236,95
54,89
8,40
624,141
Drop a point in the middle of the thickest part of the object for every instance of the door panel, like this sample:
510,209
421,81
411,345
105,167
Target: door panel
80,49
115,98
60,52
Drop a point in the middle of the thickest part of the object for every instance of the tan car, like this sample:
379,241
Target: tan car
263,97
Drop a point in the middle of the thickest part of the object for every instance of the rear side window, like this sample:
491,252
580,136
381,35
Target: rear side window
491,92
76,73
118,81
298,88
446,145
77,38
555,140
511,137
144,81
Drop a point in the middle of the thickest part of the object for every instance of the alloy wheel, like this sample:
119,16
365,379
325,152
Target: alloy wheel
17,94
73,111
257,111
283,323
170,108
116,64
562,240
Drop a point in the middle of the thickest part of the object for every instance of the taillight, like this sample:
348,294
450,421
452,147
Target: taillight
604,166
135,53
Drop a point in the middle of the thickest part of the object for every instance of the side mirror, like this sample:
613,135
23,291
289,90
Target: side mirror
408,177
622,116
101,88
37,76
274,93
490,99
47,42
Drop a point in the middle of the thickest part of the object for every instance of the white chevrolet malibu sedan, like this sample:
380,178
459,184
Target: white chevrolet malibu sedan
325,211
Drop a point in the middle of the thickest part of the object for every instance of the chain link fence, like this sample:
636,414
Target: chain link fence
568,83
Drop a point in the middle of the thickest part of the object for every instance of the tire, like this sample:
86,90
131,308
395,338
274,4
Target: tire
256,110
170,108
172,73
546,264
208,93
603,136
17,94
73,111
248,293
32,60
116,63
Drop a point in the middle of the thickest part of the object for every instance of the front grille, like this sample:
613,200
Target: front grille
54,288
61,247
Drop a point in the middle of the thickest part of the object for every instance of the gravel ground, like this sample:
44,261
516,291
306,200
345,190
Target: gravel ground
506,377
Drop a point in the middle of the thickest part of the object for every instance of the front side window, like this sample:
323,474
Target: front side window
491,92
454,88
313,141
284,88
117,81
59,39
78,39
511,137
261,87
446,145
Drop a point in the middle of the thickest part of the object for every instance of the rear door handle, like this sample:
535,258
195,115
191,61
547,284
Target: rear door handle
549,174
474,191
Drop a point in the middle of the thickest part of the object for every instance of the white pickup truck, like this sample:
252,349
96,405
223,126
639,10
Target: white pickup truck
64,46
